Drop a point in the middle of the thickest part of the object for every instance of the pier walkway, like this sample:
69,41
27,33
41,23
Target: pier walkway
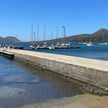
90,71
7,54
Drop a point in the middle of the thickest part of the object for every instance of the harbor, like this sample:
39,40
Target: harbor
52,47
86,71
23,86
53,54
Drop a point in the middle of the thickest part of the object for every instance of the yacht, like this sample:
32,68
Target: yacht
90,44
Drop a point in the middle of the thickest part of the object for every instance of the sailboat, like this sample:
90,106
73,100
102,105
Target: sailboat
33,46
90,44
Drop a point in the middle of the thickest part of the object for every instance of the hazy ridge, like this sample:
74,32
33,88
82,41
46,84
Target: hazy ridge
99,36
9,39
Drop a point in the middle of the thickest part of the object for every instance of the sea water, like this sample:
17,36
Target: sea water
22,85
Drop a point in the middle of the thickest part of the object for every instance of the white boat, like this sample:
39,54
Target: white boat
51,47
84,43
89,44
106,43
102,44
31,47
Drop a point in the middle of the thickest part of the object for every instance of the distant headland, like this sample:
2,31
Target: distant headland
9,39
99,36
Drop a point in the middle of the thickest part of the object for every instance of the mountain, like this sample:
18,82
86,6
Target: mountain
9,39
99,36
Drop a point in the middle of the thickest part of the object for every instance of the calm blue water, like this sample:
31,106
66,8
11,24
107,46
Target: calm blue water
95,52
22,85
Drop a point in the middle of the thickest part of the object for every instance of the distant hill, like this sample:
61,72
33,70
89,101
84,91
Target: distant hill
9,39
99,36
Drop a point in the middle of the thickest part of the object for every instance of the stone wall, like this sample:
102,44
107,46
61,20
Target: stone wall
97,78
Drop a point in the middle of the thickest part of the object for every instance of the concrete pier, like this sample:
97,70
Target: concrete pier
7,54
92,73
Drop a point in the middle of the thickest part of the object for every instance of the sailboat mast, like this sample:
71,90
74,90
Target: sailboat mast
57,33
103,37
51,35
34,36
64,32
44,32
38,33
31,32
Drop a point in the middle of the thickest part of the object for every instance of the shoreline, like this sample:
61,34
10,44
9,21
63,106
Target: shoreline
78,101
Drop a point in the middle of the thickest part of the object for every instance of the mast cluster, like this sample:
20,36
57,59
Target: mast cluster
35,34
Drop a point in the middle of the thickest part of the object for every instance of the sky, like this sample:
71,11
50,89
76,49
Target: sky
78,17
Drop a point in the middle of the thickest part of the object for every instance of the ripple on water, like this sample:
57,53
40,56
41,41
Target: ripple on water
20,78
8,91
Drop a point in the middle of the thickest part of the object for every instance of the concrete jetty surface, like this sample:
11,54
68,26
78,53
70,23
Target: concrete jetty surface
89,71
7,54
